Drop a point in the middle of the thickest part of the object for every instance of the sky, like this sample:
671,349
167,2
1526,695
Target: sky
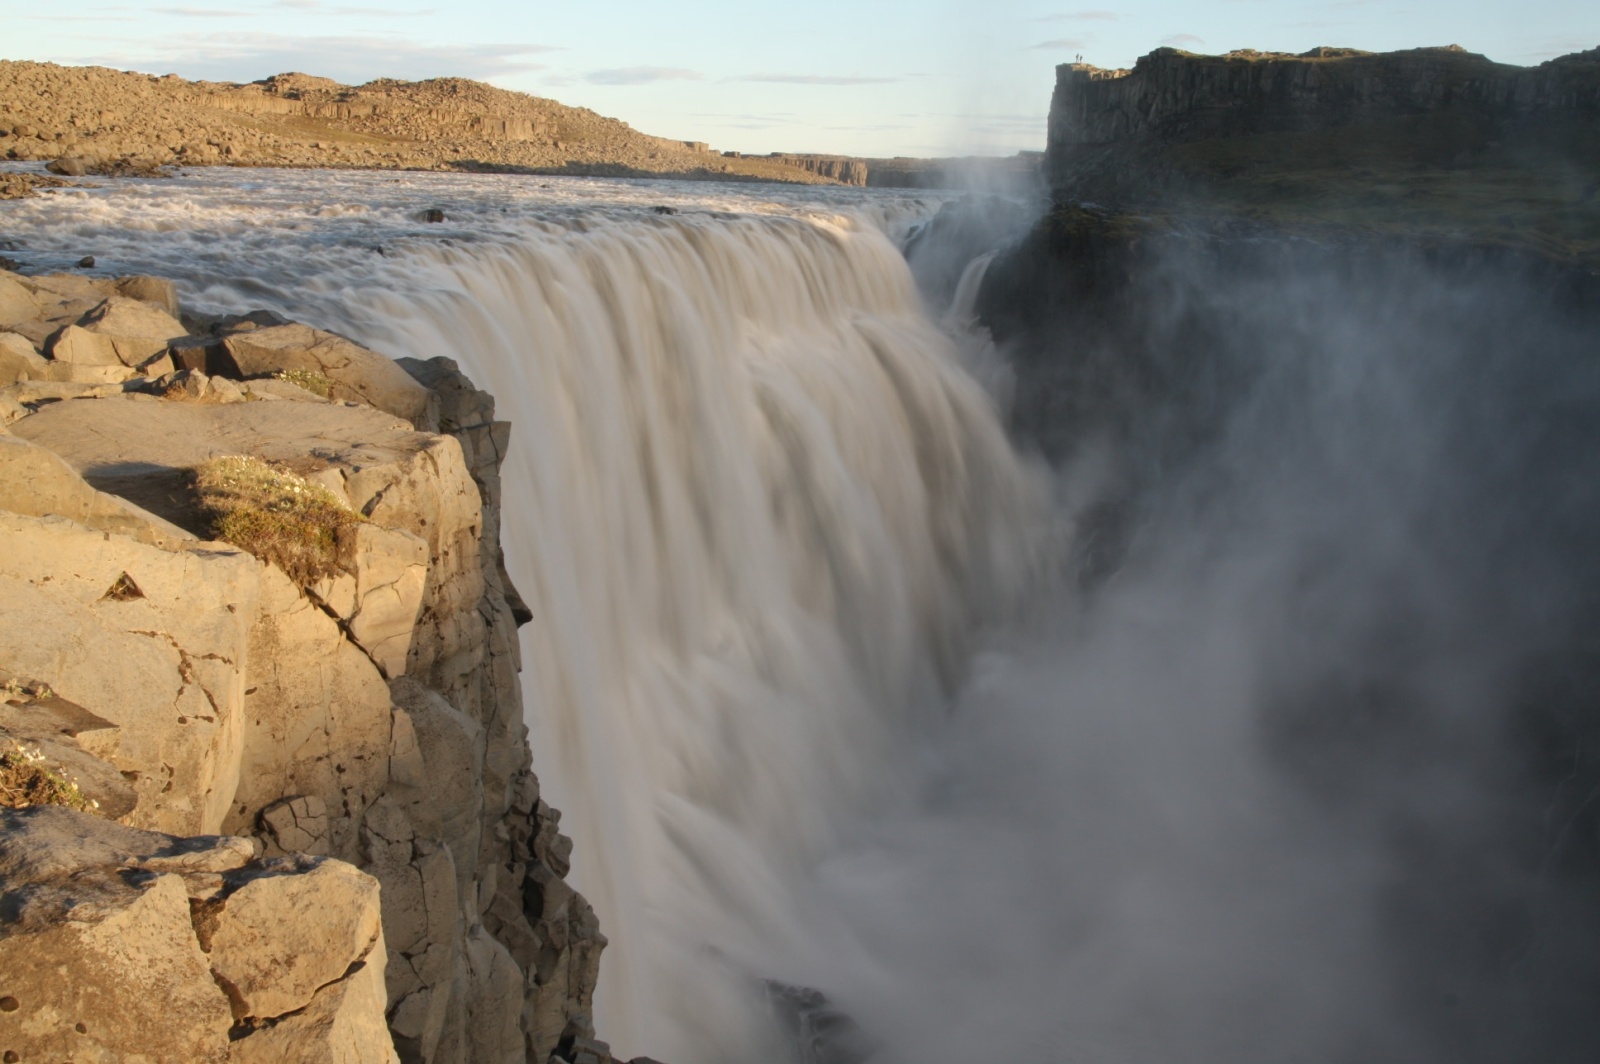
857,77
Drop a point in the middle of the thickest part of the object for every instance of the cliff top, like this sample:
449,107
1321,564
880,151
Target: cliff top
1428,141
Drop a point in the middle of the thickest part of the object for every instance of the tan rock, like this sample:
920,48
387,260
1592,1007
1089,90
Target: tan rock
317,716
97,950
80,346
448,805
344,1024
154,290
65,287
289,926
137,331
16,301
296,825
380,597
268,389
166,664
18,359
494,1002
357,373
72,373
35,481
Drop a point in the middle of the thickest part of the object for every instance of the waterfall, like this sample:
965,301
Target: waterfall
757,502
759,512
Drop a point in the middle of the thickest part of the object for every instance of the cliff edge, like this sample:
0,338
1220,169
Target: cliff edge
262,754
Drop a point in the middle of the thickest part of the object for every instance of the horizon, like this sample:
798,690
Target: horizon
902,82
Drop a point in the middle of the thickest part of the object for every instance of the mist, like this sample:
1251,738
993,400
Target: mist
1295,762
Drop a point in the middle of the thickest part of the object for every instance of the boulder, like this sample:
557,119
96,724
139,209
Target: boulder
296,825
343,1024
97,952
50,288
16,301
157,291
126,945
35,481
286,926
68,166
72,373
494,1002
137,330
79,346
19,361
448,803
357,373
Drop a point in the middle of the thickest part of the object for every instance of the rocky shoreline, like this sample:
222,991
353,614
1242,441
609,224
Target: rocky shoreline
299,810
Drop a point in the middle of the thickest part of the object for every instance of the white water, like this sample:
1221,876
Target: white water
756,505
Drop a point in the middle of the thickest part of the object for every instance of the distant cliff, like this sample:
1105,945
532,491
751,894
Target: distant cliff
1434,144
1113,133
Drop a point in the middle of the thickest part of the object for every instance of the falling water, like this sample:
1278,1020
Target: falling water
758,508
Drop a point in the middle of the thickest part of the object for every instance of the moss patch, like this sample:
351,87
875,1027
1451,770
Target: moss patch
310,380
274,514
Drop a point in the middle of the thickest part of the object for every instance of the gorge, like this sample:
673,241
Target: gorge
1143,634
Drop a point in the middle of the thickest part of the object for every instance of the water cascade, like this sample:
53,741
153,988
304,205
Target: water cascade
759,511
758,508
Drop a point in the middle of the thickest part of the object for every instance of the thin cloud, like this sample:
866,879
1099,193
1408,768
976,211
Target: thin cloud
316,7
640,75
1182,40
353,60
815,79
1062,44
201,12
1080,16
380,12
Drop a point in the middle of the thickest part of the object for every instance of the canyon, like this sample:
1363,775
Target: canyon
1182,650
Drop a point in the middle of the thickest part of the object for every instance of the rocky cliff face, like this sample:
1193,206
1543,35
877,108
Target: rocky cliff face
355,737
1100,118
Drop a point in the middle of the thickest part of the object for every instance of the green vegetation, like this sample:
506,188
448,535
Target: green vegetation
274,514
309,379
27,778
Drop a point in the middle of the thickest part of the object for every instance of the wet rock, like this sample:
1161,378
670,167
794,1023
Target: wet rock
68,166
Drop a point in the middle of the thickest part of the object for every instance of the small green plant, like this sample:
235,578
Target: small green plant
309,379
276,515
27,778
16,688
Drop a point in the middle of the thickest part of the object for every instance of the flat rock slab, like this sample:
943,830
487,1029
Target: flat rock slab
142,451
